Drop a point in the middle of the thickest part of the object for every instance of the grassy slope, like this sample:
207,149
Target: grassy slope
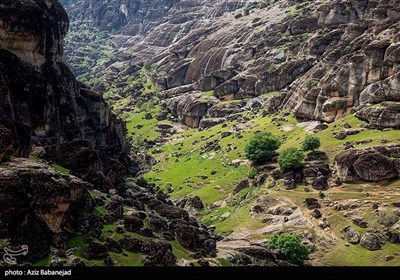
182,164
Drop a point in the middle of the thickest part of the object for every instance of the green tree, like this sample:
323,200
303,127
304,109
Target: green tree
262,147
311,143
290,246
290,159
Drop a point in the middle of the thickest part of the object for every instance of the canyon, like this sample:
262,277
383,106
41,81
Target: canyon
124,126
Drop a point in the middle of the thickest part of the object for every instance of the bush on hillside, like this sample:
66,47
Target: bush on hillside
290,159
290,246
262,147
311,143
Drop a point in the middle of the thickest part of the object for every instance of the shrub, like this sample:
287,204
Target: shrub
148,106
139,141
290,246
290,159
139,105
252,173
262,147
311,143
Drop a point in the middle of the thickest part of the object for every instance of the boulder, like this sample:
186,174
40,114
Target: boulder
189,108
387,116
108,261
196,203
186,234
241,186
169,188
96,251
226,134
131,244
370,164
320,183
370,241
312,203
210,122
316,213
353,237
359,221
172,212
393,236
157,224
62,205
113,246
159,253
133,223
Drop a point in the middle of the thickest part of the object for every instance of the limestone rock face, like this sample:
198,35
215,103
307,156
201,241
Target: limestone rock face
41,103
381,117
38,205
190,109
46,113
327,59
368,165
33,30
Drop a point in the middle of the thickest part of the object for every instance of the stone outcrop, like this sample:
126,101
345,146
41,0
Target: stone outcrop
370,241
39,206
387,116
45,113
373,164
327,59
352,235
189,108
42,103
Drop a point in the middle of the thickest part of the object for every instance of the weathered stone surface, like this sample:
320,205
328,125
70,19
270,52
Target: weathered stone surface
338,57
370,241
196,203
312,203
189,108
42,105
62,204
96,251
172,212
52,108
241,186
133,223
371,164
353,237
381,117
6,143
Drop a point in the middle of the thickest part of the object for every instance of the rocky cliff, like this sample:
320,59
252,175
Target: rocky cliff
235,68
46,115
64,158
244,49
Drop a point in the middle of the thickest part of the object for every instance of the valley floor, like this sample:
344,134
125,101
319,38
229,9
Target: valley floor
210,165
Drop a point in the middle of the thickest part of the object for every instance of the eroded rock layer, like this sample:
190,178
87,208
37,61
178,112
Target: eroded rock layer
326,58
45,113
